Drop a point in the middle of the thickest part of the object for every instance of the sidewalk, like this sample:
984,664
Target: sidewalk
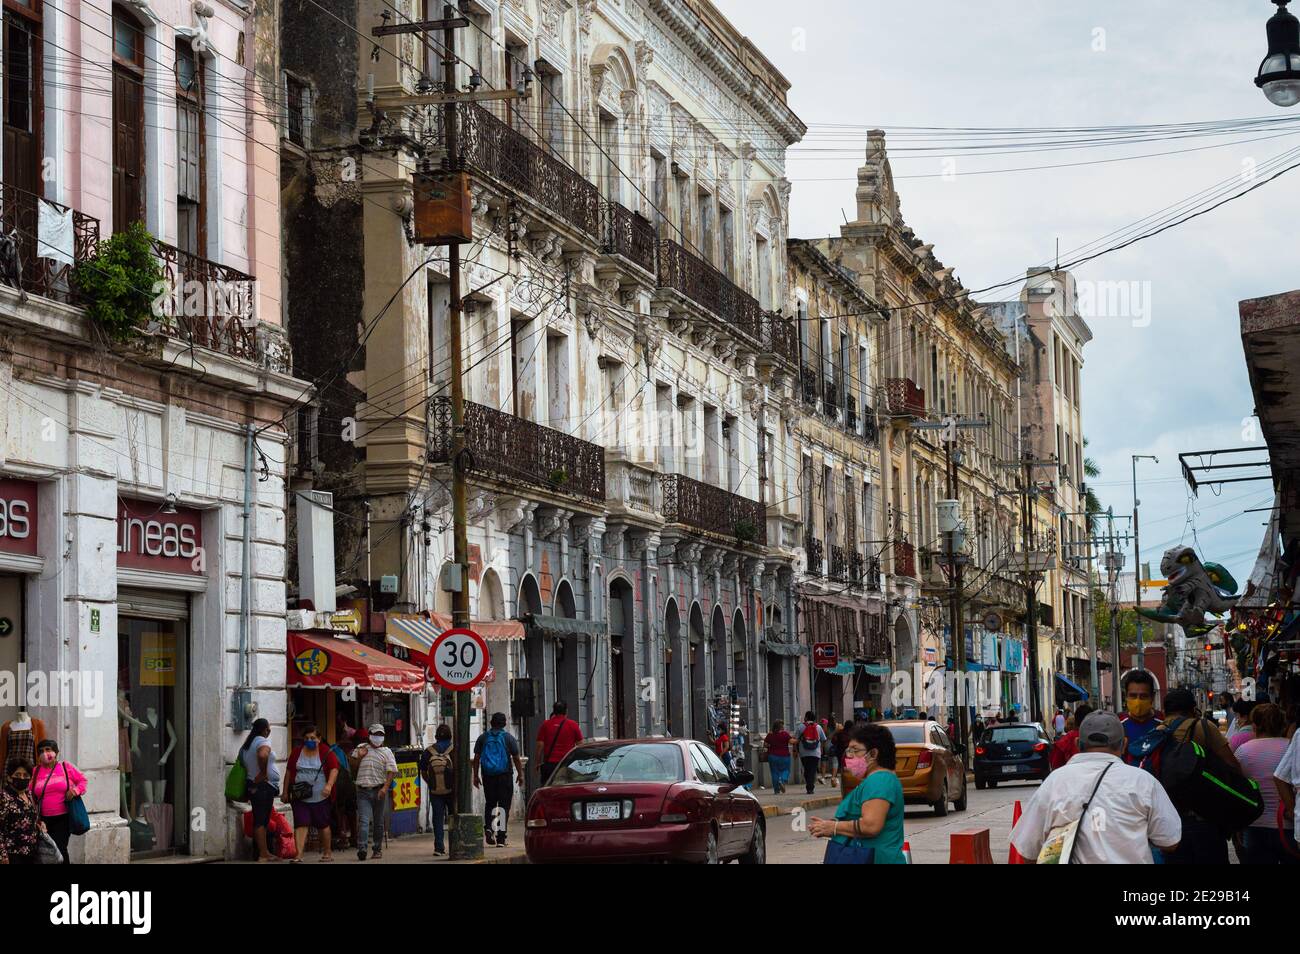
417,849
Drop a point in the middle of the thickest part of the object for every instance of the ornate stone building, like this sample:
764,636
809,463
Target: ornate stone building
628,377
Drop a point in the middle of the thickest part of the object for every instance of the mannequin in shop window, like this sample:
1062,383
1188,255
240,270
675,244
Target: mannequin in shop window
155,740
20,736
127,724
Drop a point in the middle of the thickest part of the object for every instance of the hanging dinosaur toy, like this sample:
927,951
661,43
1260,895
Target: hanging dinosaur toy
1194,589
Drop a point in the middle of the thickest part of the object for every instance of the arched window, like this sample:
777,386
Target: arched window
128,119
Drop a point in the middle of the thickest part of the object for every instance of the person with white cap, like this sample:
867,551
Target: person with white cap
376,769
1127,808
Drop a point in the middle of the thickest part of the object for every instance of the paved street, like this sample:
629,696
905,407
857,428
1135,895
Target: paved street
927,835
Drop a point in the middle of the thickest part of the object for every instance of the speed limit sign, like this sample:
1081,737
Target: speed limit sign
460,659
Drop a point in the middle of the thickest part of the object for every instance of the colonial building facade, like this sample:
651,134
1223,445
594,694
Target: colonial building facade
136,457
628,378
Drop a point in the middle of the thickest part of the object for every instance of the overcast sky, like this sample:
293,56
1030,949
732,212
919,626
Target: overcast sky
1174,384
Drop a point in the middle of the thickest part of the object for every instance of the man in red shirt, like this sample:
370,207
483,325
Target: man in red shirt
556,736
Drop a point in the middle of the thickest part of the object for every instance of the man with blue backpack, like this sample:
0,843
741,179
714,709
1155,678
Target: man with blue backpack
494,751
1204,780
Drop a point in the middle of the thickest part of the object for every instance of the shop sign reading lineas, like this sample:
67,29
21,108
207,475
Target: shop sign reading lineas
459,659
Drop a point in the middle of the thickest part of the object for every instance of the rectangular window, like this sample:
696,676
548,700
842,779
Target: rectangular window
297,99
128,120
685,219
727,237
22,120
190,169
516,61
660,166
705,205
551,107
611,181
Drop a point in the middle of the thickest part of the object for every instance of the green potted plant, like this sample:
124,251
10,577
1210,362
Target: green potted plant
746,532
121,282
558,477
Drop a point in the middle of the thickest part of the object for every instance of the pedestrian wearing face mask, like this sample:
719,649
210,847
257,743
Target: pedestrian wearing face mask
868,824
1139,688
55,784
20,819
309,787
376,769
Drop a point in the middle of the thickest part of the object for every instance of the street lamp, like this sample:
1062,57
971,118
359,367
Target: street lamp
1279,74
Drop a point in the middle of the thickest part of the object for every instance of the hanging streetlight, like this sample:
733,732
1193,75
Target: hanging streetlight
1279,74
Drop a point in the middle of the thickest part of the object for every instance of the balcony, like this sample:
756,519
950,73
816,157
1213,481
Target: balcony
870,432
20,213
813,547
781,339
903,398
850,413
839,563
492,148
701,283
711,509
830,399
503,447
904,559
632,488
210,305
864,572
811,385
631,235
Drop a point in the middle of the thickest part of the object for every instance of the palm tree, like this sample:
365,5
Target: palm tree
1091,505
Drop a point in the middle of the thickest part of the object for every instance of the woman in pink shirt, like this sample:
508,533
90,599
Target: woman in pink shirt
1259,758
54,785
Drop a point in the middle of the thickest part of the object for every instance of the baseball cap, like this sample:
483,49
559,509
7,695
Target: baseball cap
1101,729
376,729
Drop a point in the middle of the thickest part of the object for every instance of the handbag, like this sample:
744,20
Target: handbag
1058,847
301,791
237,780
47,852
78,817
850,854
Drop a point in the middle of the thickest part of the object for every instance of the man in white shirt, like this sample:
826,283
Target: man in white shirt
1287,775
1129,812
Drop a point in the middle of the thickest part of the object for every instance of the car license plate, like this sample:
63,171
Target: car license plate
1009,769
601,811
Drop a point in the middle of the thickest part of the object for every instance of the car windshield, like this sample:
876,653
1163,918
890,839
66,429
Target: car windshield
640,762
1013,733
904,734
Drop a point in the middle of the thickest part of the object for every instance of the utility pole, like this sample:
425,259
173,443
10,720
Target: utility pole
956,562
1137,558
466,840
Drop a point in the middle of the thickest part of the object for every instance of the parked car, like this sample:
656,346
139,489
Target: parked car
645,800
1016,752
928,765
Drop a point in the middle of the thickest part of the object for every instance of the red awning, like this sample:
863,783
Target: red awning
316,661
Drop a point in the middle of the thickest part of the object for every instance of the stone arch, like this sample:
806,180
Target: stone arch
696,677
904,644
721,641
612,74
740,656
676,653
622,635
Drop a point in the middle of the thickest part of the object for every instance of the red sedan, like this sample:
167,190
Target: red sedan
645,800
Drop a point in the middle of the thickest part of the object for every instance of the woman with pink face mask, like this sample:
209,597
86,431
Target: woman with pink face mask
869,821
54,785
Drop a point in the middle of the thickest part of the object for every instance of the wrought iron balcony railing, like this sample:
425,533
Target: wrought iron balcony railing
711,509
903,398
839,563
782,338
509,448
707,287
208,304
631,235
813,547
37,273
870,432
811,386
830,398
495,149
904,559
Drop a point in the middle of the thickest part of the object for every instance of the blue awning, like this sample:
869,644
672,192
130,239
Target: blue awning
1073,691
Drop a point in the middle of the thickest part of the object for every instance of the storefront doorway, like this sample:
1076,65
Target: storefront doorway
153,719
12,635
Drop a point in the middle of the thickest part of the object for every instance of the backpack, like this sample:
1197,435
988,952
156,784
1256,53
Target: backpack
495,758
437,772
808,739
1197,780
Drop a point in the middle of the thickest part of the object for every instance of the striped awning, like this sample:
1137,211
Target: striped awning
417,632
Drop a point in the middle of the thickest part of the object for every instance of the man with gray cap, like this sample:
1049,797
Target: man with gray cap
376,769
1128,812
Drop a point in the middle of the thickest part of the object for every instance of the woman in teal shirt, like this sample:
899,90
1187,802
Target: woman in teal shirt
870,816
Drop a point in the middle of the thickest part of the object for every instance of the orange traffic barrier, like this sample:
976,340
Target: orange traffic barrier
1013,856
970,847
